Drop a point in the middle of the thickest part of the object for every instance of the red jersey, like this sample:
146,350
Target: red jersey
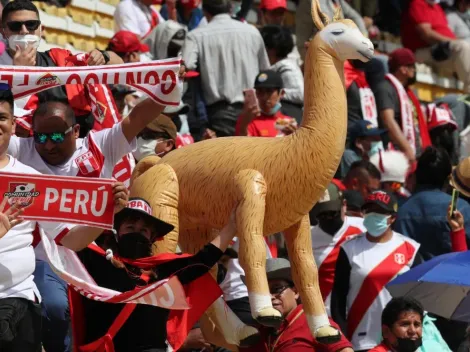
294,336
381,348
420,11
263,125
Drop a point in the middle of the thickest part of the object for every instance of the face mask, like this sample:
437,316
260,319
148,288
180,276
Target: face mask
134,245
332,225
376,224
411,80
275,109
23,40
408,345
146,147
375,147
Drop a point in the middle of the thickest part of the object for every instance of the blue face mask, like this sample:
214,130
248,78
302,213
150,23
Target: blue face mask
375,147
376,224
275,109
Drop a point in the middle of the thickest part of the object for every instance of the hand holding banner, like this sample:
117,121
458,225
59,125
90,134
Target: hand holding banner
75,200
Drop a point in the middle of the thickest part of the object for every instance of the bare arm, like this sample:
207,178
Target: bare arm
223,240
430,36
396,134
347,349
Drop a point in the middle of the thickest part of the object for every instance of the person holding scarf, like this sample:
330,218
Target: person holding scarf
399,108
124,261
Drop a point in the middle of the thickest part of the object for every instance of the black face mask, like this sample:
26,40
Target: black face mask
134,245
408,345
331,225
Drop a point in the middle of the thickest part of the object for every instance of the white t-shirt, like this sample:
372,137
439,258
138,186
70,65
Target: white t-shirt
17,261
233,286
133,16
96,156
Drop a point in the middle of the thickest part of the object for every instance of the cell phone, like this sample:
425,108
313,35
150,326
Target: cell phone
250,97
453,203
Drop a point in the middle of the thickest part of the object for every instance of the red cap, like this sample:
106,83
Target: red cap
125,42
401,57
440,116
273,4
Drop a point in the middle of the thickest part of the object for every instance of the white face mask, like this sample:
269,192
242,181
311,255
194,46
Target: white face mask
23,40
146,147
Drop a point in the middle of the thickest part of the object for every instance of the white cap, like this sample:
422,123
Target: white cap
392,164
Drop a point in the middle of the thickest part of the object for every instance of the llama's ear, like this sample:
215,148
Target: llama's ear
319,18
338,14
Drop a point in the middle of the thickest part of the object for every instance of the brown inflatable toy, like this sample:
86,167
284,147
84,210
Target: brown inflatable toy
274,181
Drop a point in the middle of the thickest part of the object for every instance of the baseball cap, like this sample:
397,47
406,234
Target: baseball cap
364,128
163,124
139,206
385,200
331,200
354,199
273,4
400,57
268,79
440,116
127,42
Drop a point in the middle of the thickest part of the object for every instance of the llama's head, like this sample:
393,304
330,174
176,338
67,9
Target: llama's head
342,36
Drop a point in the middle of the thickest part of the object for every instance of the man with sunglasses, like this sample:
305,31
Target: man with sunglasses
294,334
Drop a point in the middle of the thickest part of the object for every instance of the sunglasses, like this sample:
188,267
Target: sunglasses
31,25
55,137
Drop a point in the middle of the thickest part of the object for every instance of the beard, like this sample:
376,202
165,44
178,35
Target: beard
411,80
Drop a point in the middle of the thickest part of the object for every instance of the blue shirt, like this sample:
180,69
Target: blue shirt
424,218
196,17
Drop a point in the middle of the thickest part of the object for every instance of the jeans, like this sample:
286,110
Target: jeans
56,325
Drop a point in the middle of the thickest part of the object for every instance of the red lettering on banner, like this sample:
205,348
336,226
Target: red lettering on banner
116,78
92,76
74,78
165,76
130,79
149,76
76,200
8,79
25,81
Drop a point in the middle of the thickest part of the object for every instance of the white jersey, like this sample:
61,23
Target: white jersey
17,261
326,250
373,266
96,156
233,286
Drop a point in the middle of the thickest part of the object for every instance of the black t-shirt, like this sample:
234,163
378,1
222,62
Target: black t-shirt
386,97
354,109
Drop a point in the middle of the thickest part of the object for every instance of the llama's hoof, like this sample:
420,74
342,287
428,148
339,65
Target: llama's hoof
269,317
327,335
249,336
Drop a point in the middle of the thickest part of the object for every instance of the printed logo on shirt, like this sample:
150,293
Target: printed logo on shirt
48,79
87,163
21,193
400,258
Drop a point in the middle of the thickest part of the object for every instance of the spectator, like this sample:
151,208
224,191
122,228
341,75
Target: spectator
425,30
458,17
294,334
333,228
187,12
354,203
424,216
398,107
166,40
157,138
137,16
361,100
365,141
365,265
127,46
363,177
279,44
393,166
441,128
367,8
265,119
273,12
304,27
224,48
402,326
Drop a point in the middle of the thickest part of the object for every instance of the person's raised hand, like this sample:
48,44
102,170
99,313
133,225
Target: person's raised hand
249,112
195,341
25,57
209,134
456,222
10,218
95,58
121,196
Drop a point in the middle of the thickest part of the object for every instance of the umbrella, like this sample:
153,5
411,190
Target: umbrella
441,285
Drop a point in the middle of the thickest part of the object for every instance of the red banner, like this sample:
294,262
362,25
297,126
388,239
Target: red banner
75,200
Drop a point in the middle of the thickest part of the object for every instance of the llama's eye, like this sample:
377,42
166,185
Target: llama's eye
337,31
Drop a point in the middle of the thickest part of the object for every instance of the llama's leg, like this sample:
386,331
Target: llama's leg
305,275
234,331
251,188
159,187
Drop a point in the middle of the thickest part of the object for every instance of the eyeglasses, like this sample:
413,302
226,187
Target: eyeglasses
55,137
31,25
278,291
